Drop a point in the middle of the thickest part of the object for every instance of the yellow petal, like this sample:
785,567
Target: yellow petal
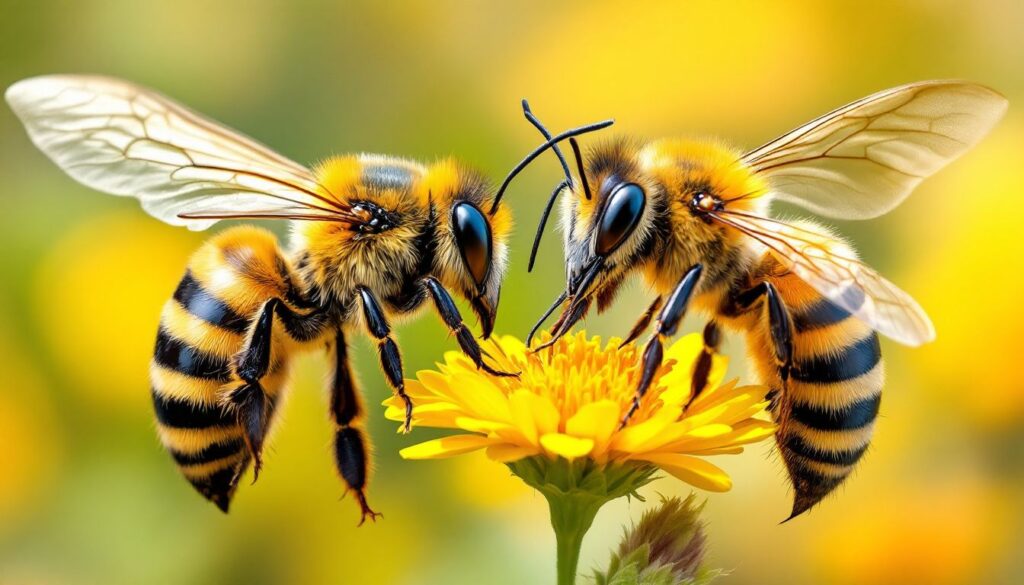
544,415
475,425
565,445
506,453
597,421
432,383
446,447
519,405
718,451
718,413
753,430
710,431
684,353
693,470
749,431
509,346
638,437
676,437
438,414
479,396
686,349
727,392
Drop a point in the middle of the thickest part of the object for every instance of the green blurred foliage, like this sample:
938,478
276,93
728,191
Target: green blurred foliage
86,494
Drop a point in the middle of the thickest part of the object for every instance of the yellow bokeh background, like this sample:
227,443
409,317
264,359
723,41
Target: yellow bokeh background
88,496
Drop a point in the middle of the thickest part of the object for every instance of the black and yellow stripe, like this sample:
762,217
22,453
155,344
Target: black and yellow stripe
203,328
827,408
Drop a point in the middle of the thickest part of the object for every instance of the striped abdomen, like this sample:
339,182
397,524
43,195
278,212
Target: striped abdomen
827,409
203,328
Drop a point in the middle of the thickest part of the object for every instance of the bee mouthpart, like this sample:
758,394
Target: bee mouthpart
485,311
580,285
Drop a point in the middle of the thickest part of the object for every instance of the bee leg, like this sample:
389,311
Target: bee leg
350,454
779,323
782,331
642,323
451,317
390,358
701,371
570,316
668,323
250,400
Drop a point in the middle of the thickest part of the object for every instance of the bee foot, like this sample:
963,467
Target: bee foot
365,509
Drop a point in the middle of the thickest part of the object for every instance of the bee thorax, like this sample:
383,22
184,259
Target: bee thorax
376,219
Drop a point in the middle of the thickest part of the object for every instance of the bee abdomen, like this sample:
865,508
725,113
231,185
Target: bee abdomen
846,364
194,298
831,400
204,440
203,328
179,356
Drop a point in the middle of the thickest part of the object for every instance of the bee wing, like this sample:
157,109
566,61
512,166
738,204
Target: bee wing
186,170
863,159
829,266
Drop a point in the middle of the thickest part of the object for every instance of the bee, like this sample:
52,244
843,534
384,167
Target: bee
691,218
372,238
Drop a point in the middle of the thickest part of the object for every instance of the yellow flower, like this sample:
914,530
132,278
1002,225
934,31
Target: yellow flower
569,400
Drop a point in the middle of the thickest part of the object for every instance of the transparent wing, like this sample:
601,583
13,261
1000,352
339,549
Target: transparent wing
863,159
186,170
831,268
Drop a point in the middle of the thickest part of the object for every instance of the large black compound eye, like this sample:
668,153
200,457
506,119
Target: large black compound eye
619,218
473,235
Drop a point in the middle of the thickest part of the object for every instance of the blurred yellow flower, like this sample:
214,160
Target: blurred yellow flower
98,298
569,400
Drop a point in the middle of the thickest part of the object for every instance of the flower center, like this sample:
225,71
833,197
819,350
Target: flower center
577,371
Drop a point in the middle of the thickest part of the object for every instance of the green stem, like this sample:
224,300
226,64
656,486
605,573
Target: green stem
572,514
575,491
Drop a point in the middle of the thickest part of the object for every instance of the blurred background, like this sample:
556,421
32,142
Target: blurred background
88,496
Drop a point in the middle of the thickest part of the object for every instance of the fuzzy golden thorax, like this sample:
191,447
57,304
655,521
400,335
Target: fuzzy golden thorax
334,258
671,234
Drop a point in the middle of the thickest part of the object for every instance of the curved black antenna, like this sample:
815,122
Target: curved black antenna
547,136
558,302
540,150
554,194
579,165
544,221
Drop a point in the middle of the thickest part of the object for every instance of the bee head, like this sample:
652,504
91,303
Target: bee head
649,208
610,219
471,244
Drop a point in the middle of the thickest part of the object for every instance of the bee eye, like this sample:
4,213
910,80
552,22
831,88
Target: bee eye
620,216
473,235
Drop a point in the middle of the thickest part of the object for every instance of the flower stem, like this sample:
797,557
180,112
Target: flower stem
575,491
572,514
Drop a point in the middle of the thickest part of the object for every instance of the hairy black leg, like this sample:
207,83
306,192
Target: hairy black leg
390,358
779,324
350,455
642,324
451,317
250,400
701,371
250,403
667,325
782,331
